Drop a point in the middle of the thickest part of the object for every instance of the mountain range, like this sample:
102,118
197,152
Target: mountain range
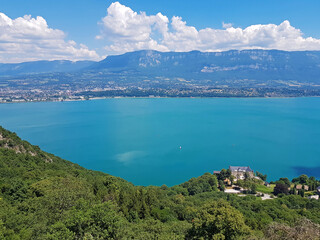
153,69
251,64
36,67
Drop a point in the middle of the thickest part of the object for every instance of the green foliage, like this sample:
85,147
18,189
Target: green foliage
253,189
264,189
262,176
281,188
59,231
250,185
221,185
304,180
45,197
285,181
224,174
205,183
218,220
301,192
101,221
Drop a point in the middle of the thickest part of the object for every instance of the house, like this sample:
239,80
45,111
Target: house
299,187
318,189
314,197
216,172
306,187
240,173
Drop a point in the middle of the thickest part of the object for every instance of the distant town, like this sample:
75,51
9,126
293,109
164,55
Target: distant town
12,95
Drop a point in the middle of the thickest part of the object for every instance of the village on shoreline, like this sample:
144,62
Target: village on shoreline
13,95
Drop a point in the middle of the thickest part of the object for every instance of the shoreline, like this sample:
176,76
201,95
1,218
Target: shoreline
124,97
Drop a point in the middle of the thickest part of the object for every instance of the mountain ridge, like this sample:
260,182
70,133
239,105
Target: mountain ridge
234,73
233,64
43,66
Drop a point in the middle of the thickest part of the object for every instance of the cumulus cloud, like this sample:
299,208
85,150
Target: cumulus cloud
27,39
126,30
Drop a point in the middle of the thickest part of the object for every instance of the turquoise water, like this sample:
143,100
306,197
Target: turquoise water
139,139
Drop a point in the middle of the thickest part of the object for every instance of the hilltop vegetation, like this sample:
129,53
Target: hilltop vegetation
45,197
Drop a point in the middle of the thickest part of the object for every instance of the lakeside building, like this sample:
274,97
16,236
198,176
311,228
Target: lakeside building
316,197
304,187
240,173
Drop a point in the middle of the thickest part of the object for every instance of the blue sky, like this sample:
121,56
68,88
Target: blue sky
78,21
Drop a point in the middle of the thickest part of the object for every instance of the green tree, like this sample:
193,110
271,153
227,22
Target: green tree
246,176
253,189
301,192
302,179
221,185
224,174
280,188
260,175
218,220
285,181
60,231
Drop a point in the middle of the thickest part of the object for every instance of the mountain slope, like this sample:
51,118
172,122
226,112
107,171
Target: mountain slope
36,67
246,64
45,197
265,69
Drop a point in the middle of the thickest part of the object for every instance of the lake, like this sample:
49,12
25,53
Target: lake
168,141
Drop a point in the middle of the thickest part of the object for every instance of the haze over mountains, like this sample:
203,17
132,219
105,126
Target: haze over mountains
246,73
36,67
259,65
247,64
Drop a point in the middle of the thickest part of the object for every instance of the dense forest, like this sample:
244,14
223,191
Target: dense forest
45,197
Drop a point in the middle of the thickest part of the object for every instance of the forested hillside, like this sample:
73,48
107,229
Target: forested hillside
45,197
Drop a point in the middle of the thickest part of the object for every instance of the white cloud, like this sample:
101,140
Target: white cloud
125,30
128,30
226,25
28,39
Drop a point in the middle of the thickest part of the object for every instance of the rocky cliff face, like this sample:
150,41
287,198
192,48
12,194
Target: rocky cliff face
247,64
11,141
